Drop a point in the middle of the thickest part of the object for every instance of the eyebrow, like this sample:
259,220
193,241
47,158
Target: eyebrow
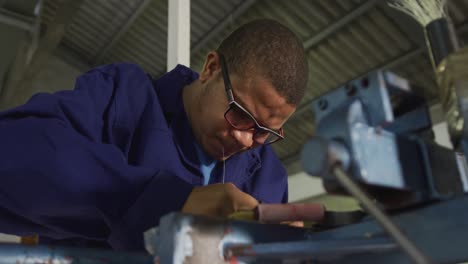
242,103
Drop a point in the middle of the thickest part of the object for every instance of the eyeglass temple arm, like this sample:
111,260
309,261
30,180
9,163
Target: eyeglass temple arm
227,81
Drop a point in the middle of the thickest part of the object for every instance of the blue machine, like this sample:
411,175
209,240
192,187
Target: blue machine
379,135
382,134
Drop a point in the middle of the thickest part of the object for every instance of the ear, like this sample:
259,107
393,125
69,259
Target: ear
211,68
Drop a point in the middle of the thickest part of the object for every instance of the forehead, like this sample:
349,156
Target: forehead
262,100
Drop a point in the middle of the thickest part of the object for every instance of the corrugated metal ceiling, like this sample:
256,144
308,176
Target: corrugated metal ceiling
345,39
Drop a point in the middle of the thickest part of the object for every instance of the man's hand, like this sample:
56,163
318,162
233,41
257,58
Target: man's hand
220,199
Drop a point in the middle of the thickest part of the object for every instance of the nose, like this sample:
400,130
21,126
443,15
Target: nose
243,137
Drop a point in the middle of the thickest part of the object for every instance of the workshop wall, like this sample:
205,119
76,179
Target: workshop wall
54,76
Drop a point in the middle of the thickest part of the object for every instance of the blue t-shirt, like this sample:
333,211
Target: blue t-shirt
207,163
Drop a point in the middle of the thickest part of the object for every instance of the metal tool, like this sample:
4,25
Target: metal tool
312,249
277,213
393,230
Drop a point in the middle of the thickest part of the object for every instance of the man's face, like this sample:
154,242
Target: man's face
256,94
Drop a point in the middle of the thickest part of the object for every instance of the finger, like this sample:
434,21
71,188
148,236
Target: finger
245,202
240,200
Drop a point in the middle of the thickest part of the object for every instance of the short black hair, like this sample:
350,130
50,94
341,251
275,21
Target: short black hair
270,49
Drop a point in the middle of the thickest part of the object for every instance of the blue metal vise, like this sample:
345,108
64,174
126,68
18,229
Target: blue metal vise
382,134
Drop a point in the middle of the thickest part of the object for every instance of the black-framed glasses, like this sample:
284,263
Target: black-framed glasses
239,118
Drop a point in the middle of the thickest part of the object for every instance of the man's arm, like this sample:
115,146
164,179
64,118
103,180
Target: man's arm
59,177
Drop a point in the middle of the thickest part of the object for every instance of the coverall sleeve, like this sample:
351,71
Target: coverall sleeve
60,177
277,183
269,184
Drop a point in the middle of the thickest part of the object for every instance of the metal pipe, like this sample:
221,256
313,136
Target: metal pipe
385,222
17,20
309,249
16,253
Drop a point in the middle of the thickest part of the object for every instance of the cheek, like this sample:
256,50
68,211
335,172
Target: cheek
212,109
214,123
221,128
221,131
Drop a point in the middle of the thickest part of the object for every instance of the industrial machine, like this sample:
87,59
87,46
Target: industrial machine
373,140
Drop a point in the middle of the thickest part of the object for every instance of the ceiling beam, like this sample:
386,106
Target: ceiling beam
72,58
23,73
20,21
221,25
339,24
123,29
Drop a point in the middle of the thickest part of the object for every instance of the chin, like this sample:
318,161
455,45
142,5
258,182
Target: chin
230,154
219,155
216,153
224,156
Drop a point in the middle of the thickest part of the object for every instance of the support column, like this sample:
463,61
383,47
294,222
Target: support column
178,39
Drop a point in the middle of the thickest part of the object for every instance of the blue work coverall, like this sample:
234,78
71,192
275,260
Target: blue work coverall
105,161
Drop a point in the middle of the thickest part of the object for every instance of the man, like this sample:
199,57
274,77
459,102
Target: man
105,161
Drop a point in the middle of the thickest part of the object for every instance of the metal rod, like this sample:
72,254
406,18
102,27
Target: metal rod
17,20
308,249
385,222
